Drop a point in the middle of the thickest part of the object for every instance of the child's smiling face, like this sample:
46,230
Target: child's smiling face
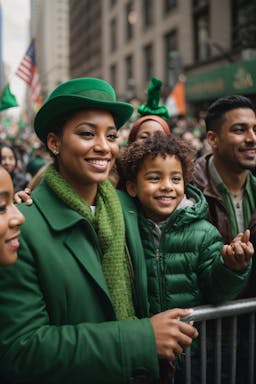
159,186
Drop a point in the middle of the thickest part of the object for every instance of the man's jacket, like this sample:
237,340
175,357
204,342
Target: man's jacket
218,214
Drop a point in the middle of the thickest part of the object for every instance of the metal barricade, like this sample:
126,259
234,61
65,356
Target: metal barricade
234,311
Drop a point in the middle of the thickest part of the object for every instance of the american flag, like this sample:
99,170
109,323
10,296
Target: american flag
28,72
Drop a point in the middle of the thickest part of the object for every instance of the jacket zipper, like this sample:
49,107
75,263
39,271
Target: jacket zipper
160,274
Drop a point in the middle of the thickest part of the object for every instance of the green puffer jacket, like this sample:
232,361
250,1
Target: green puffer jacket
187,268
57,322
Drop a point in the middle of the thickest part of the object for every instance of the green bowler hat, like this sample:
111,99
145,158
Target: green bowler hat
80,93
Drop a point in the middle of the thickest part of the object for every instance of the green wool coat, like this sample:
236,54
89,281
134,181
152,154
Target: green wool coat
57,323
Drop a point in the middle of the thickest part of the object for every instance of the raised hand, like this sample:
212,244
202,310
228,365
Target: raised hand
238,253
172,335
23,197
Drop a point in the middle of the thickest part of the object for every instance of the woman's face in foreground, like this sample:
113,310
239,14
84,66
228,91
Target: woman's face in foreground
10,220
87,149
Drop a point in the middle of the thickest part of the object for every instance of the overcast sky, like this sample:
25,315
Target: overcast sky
16,15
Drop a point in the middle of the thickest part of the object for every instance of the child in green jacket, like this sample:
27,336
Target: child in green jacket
187,263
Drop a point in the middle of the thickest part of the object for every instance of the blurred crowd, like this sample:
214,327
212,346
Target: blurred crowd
21,153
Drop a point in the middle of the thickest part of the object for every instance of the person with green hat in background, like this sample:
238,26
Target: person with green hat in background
152,116
74,307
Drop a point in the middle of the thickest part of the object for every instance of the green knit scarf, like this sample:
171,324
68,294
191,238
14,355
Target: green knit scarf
109,224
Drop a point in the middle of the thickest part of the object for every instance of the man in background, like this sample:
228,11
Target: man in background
226,178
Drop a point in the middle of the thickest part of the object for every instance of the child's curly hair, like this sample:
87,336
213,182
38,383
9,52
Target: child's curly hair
131,158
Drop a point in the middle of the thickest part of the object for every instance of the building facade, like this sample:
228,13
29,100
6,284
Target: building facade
211,42
86,34
50,28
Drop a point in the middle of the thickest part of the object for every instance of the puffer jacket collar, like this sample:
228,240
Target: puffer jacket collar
189,213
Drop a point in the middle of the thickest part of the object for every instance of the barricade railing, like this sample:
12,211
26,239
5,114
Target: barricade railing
233,310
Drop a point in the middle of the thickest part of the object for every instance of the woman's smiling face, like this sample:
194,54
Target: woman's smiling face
10,220
87,148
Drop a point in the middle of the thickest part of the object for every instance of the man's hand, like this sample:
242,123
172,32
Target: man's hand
172,335
238,253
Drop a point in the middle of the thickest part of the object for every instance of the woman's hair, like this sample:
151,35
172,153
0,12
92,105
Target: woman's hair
131,158
57,126
58,123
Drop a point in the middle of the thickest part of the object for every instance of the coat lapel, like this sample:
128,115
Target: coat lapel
80,238
85,253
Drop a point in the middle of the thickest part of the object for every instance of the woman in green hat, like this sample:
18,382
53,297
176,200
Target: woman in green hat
152,117
74,306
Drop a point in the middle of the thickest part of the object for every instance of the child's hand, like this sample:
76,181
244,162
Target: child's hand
23,197
238,253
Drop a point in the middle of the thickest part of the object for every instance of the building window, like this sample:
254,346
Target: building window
113,79
201,29
148,12
173,65
113,35
169,5
129,73
202,38
148,63
243,24
130,19
112,3
200,3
